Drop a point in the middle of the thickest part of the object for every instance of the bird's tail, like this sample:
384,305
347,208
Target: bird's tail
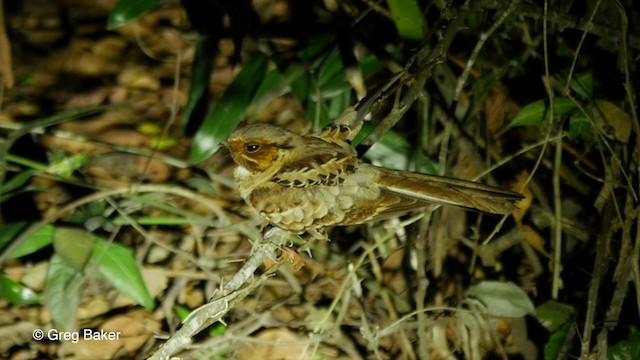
449,191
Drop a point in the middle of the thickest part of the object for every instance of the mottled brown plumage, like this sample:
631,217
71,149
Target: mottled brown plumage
304,183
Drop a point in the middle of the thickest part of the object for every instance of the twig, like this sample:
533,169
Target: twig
479,45
227,296
429,58
600,267
564,20
6,69
577,52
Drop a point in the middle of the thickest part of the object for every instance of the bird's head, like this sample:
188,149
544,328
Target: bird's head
257,147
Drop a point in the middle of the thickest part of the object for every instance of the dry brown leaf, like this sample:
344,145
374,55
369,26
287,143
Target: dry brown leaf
98,124
124,137
126,333
72,146
534,239
292,259
499,107
524,204
612,120
6,68
120,169
138,78
276,344
96,306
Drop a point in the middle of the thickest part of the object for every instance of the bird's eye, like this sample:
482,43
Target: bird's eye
251,148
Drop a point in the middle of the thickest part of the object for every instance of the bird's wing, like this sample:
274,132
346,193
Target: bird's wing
448,191
318,163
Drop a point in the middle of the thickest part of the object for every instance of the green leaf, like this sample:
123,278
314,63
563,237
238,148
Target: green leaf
206,48
182,312
62,293
217,329
18,180
580,127
331,77
502,298
118,266
278,83
553,347
407,16
41,238
301,88
36,241
230,109
66,166
87,212
535,113
9,231
392,151
130,10
17,293
552,314
626,349
74,246
5,144
582,84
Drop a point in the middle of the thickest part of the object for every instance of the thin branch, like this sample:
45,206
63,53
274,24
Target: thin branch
229,295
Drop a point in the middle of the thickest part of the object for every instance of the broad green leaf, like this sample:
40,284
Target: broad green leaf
36,241
118,266
582,84
371,64
503,299
407,15
535,113
230,109
217,329
392,151
277,83
556,341
17,293
130,10
580,127
199,93
9,231
74,246
86,212
316,49
331,77
336,105
62,293
41,238
301,88
18,180
626,349
552,314
182,312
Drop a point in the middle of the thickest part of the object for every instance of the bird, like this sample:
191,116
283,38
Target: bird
306,183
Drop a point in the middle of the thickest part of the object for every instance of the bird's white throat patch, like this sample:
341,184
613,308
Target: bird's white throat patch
241,172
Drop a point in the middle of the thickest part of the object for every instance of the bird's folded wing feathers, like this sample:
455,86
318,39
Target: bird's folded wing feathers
449,191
